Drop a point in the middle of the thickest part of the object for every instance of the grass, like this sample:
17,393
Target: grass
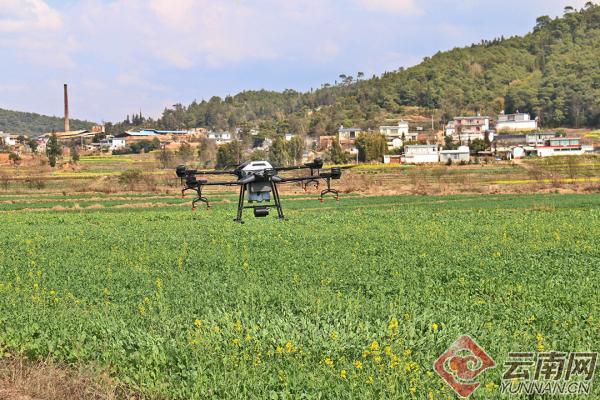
349,299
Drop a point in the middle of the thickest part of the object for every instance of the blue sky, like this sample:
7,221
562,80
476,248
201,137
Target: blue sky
121,56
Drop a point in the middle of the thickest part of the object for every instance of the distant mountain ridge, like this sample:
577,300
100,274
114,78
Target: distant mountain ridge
30,124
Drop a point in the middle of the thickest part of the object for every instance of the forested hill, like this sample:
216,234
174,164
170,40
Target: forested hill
24,123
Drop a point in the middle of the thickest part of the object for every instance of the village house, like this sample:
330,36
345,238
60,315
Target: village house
325,142
467,129
421,154
9,140
462,154
397,135
450,129
519,122
112,143
536,139
145,134
347,137
392,159
524,139
560,146
220,137
394,130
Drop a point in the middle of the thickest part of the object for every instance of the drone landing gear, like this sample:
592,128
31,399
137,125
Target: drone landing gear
199,198
329,190
261,210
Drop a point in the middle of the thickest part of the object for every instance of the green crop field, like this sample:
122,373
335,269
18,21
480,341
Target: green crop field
355,299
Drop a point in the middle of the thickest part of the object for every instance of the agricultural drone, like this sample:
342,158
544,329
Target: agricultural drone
259,180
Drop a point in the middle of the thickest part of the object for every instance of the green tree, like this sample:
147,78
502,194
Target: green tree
449,143
207,151
259,155
53,150
478,145
33,144
336,153
371,147
14,158
229,154
185,152
165,158
278,153
74,154
295,149
245,136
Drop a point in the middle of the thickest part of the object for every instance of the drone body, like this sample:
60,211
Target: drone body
258,181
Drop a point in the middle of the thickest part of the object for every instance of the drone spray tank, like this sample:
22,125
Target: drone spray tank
259,175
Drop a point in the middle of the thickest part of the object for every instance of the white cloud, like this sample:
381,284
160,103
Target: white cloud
28,15
35,32
180,33
392,6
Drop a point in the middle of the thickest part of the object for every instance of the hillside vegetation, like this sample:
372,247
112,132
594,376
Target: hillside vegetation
552,72
32,124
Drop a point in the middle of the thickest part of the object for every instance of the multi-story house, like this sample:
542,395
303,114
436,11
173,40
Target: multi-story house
468,129
519,122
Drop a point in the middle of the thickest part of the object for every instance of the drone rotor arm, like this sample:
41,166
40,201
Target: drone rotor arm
299,179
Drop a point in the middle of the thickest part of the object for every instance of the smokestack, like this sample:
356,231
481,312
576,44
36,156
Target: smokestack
66,110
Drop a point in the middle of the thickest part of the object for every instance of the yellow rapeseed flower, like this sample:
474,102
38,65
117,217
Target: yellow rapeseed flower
411,366
197,323
329,362
370,380
238,325
435,327
343,374
393,325
357,364
387,350
334,335
540,342
374,346
279,349
490,386
289,347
